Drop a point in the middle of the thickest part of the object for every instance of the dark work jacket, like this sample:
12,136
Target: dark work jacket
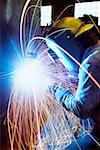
86,102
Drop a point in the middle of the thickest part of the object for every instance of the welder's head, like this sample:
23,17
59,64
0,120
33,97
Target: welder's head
89,32
72,35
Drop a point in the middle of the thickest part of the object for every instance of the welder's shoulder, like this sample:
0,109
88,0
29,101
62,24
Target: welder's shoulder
92,63
94,59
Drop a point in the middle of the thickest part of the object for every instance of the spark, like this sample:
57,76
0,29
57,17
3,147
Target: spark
32,109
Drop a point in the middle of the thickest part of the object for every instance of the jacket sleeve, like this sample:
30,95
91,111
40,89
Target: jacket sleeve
87,96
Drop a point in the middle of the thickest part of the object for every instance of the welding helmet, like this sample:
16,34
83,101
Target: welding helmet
73,24
81,30
64,34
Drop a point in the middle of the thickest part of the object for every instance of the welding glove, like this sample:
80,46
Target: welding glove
63,96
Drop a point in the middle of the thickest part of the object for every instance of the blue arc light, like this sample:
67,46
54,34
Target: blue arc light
31,75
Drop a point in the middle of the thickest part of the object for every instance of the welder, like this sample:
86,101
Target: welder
86,102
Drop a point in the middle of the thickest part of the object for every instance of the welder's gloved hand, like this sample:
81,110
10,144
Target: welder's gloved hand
61,94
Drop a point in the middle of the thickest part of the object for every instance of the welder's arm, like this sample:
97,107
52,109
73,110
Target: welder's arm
86,98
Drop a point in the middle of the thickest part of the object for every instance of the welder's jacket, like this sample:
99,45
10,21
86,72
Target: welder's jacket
86,102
